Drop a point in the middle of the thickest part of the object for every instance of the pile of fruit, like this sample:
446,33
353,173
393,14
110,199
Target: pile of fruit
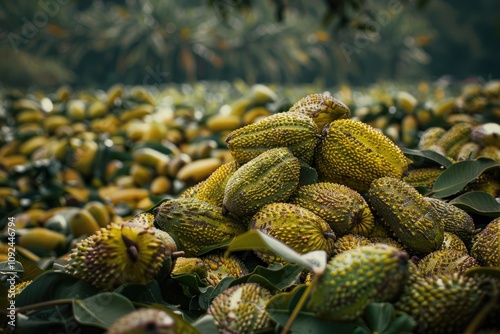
284,210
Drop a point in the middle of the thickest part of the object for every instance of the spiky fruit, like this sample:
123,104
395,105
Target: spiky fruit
191,192
412,219
212,189
440,303
455,220
143,321
452,241
118,254
446,261
350,241
298,228
486,244
468,150
190,265
241,309
354,154
355,278
430,137
271,177
387,241
422,177
454,138
490,152
144,218
486,134
322,108
220,267
344,209
292,130
195,224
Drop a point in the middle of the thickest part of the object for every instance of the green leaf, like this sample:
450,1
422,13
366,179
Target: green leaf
142,293
102,310
210,248
206,325
479,202
7,267
308,175
457,176
314,261
382,318
31,270
275,279
193,282
422,157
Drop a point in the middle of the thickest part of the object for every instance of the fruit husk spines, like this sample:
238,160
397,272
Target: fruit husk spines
118,254
344,209
271,177
298,228
293,130
195,224
409,216
220,267
486,244
355,278
446,261
212,189
354,154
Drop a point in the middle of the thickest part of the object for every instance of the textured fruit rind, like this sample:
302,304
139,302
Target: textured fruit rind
212,189
430,137
354,154
454,138
486,244
271,177
412,219
446,261
220,267
355,278
292,130
422,177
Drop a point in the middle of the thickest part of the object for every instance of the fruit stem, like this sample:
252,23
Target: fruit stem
43,304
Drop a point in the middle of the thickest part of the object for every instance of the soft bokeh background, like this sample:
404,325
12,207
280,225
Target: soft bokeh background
152,42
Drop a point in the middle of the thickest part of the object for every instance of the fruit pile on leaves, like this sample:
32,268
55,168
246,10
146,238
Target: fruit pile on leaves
284,210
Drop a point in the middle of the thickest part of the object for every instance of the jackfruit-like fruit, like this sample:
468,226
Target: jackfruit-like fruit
118,254
344,209
451,241
412,219
354,154
212,189
298,228
422,177
355,278
144,321
486,134
241,309
443,303
454,138
446,261
455,220
195,224
190,192
486,244
293,130
220,267
491,152
468,150
190,265
387,241
271,177
348,242
430,137
322,108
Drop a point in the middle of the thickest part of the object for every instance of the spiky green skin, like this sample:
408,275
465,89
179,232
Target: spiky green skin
212,189
430,137
455,220
452,241
422,177
191,191
220,267
355,278
440,303
271,177
491,152
241,309
350,241
454,138
446,261
293,130
321,108
195,224
354,154
344,209
190,265
387,241
118,254
412,219
143,321
486,244
298,228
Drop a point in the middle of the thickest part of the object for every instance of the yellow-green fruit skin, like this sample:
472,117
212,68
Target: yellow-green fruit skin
443,303
271,177
409,216
292,130
195,224
446,261
219,267
298,228
486,244
422,177
344,209
452,241
430,137
454,138
355,278
212,189
354,154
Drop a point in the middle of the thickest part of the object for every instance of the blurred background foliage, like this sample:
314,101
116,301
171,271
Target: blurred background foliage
98,43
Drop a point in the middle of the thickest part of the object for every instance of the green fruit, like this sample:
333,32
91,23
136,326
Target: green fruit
350,241
451,241
195,224
345,210
354,154
190,265
355,278
446,261
144,321
292,130
212,189
454,138
441,303
486,244
409,216
271,177
298,228
430,137
322,108
422,177
387,241
241,309
220,267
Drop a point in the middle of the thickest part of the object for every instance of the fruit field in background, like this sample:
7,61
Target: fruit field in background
79,163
